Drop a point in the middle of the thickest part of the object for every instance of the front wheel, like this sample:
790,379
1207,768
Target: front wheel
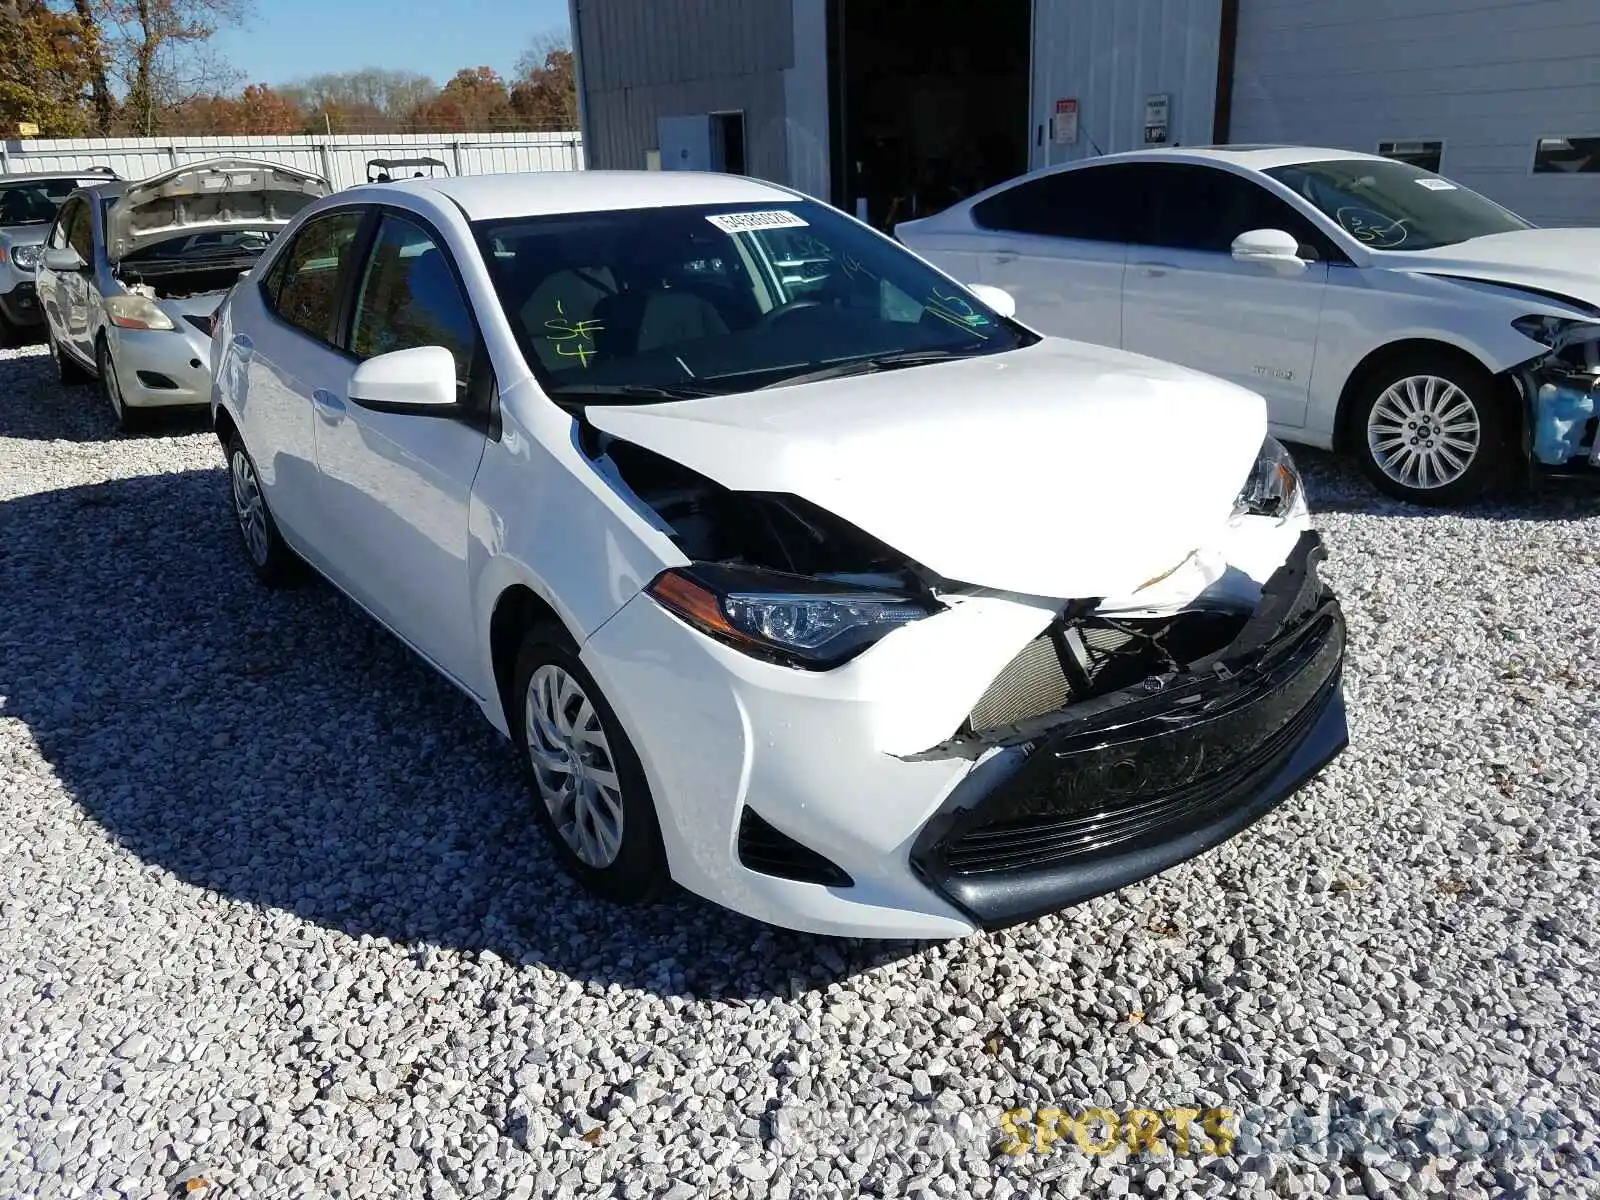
589,792
129,420
1431,431
269,555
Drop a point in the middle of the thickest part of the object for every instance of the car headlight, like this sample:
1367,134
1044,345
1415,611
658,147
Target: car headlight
27,258
1274,488
1546,329
136,312
789,619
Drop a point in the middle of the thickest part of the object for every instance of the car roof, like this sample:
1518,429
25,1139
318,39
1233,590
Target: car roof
1250,157
547,193
30,176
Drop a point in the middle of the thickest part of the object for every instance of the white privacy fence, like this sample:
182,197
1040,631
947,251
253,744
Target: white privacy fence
341,158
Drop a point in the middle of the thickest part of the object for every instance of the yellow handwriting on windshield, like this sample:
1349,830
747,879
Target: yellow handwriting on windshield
572,339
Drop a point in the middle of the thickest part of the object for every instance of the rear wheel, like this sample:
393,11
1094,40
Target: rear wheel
67,367
1430,430
589,791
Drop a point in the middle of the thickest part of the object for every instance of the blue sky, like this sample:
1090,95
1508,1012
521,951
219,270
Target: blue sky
289,39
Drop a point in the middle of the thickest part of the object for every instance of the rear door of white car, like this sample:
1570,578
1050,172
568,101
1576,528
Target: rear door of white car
1055,242
1186,299
283,350
396,485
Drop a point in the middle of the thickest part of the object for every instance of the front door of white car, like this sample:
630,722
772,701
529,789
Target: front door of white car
396,486
1188,298
1056,244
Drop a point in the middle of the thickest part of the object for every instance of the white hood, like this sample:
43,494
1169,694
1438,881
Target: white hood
1566,261
220,193
1063,470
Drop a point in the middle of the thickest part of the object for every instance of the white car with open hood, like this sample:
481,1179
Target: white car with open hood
1382,310
799,573
131,273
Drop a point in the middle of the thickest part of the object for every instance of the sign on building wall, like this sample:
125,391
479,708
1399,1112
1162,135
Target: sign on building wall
1066,131
1157,118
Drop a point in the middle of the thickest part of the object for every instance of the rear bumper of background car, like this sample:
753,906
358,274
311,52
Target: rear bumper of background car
778,799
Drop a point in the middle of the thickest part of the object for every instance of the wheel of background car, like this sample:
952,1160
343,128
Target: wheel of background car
269,556
71,374
128,419
789,307
589,792
1430,430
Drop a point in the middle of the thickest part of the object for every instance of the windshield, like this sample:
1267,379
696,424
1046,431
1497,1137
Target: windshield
205,247
1395,206
34,202
722,298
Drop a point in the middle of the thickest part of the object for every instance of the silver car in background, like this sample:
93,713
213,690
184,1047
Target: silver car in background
28,205
132,272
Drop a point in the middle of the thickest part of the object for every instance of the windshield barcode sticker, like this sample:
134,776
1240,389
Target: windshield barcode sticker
1437,185
749,222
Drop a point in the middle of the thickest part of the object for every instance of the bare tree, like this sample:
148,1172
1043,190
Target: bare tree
160,50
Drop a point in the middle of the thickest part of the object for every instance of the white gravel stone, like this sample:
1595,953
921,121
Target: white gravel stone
273,916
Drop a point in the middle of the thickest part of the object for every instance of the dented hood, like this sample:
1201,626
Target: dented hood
219,193
1061,470
1564,261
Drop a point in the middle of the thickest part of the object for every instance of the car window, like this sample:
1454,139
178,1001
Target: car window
34,201
80,232
306,291
58,233
722,298
409,297
1088,203
1206,208
1389,205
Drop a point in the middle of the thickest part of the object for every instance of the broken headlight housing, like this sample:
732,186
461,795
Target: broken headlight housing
1548,329
1274,488
789,619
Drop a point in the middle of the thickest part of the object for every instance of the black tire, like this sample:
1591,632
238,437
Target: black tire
269,556
1432,471
67,367
638,873
128,420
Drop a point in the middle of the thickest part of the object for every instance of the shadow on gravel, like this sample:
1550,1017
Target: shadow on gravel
35,405
1337,486
282,750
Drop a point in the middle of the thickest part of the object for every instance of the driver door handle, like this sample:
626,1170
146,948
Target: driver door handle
329,407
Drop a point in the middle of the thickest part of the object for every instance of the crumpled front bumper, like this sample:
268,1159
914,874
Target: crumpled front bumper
1103,794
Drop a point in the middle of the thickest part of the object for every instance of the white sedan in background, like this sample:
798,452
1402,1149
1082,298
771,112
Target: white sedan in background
1382,310
799,573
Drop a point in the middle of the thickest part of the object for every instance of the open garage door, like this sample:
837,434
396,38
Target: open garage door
930,102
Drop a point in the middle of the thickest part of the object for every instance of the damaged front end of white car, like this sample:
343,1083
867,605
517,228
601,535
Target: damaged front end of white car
1076,680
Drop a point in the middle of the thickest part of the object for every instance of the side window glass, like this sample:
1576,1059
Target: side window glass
58,232
1092,204
1203,208
308,288
409,297
80,234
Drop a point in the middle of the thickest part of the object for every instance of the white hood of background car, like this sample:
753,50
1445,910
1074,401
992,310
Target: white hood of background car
1062,470
220,193
1552,260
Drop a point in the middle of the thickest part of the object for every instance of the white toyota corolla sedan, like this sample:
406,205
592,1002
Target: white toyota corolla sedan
799,573
1382,310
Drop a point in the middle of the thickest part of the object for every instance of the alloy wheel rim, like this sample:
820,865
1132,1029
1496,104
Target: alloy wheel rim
249,507
1424,432
573,766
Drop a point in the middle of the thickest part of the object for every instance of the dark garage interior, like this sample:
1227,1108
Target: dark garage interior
930,102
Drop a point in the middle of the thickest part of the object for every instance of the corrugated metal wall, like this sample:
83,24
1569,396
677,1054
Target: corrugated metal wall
341,158
1488,77
644,59
1109,55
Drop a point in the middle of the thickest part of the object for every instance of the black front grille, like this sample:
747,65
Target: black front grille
1089,791
773,852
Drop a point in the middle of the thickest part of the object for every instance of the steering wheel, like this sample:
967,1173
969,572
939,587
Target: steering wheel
799,304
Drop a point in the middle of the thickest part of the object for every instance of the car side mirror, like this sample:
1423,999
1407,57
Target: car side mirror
1002,301
63,259
1271,246
422,378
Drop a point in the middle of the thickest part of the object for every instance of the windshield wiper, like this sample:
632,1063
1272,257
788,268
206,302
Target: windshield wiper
634,391
866,366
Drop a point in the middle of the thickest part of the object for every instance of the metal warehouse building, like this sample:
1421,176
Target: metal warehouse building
894,108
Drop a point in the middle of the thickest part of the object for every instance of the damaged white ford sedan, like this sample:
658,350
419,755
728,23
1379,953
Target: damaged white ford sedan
799,573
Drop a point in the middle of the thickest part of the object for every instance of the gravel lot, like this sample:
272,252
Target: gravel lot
273,923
